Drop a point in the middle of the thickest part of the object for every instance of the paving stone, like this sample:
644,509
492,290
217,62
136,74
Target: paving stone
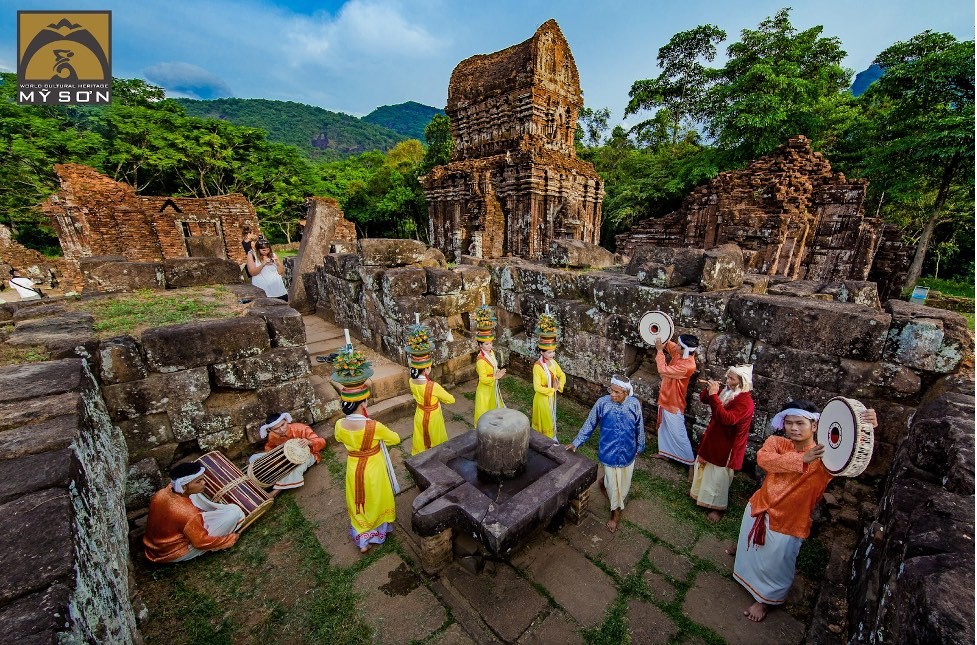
671,564
507,603
623,553
651,515
665,469
396,604
404,427
454,635
648,624
589,537
575,583
555,628
717,602
323,502
711,548
660,587
540,546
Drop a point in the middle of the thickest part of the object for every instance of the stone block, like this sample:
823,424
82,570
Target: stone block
34,380
622,295
156,393
506,602
88,264
291,396
835,328
35,410
442,282
32,473
285,326
722,268
196,272
666,267
37,619
29,310
271,368
36,545
179,347
142,482
859,292
57,332
116,277
145,433
433,258
344,266
575,583
648,624
225,441
473,277
579,254
927,339
34,436
404,281
120,361
703,310
795,288
390,252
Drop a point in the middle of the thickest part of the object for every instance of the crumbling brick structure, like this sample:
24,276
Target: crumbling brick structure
788,211
514,183
94,215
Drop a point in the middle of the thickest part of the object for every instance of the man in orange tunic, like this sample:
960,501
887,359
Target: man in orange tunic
278,429
778,516
183,524
673,439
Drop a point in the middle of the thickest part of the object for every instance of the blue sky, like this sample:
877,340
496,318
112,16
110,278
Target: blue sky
354,56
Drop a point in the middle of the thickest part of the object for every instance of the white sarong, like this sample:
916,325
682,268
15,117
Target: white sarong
710,485
673,440
617,481
219,520
767,571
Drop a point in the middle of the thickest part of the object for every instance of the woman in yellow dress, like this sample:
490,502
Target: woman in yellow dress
369,493
548,379
429,429
487,393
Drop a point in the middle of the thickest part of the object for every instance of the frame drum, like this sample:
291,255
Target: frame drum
656,325
224,483
848,441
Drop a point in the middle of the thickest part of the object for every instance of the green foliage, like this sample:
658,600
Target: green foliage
317,132
778,82
408,119
918,136
679,91
440,145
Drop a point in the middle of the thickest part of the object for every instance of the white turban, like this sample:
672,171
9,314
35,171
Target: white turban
623,383
778,421
263,430
745,372
179,483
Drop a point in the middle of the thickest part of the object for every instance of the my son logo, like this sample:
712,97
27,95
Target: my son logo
64,57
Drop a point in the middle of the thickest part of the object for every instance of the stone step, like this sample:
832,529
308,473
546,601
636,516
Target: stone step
325,346
316,334
391,409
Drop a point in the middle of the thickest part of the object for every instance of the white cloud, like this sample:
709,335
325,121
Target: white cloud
185,79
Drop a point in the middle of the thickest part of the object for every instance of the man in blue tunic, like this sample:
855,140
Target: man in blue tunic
622,437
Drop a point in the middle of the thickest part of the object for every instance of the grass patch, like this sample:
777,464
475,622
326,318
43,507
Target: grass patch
12,355
274,586
948,287
144,309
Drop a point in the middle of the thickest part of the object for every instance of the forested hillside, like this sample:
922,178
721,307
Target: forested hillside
409,119
319,133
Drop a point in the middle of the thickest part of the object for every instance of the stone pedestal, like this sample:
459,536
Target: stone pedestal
502,444
436,551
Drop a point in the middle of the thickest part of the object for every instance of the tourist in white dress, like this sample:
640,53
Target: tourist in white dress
266,271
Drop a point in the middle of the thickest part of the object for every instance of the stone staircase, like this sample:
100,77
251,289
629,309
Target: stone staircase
390,397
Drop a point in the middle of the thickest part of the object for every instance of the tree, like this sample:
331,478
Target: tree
591,126
777,83
923,135
678,92
440,145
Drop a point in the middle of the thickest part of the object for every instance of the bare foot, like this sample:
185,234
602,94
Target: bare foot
613,522
658,455
756,612
611,526
714,516
366,548
730,550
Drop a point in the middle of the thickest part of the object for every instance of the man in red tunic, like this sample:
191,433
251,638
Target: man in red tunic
724,443
279,428
183,524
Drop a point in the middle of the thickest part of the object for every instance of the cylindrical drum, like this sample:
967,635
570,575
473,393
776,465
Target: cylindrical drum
502,443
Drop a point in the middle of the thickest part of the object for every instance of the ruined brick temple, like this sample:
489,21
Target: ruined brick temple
789,213
514,183
94,215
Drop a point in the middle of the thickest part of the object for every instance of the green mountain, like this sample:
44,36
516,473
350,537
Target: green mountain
320,133
409,119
